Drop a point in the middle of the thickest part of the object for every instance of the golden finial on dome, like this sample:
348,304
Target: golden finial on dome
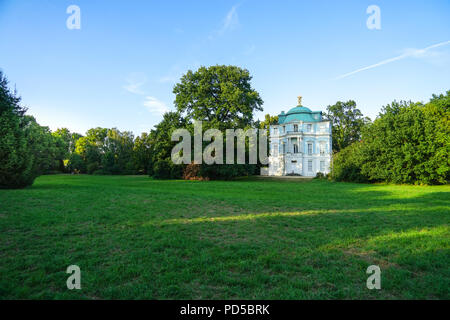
299,100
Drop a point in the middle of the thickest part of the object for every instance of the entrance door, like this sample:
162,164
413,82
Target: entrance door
294,167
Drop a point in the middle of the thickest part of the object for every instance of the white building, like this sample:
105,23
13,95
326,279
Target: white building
300,143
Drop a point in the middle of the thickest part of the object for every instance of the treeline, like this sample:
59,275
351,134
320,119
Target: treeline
220,96
407,143
103,151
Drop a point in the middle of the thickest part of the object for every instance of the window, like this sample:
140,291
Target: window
295,128
310,165
295,148
309,148
309,127
322,128
275,150
275,131
322,149
322,166
284,148
284,129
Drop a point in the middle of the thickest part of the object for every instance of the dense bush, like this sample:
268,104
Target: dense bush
76,164
227,171
322,176
347,164
92,167
407,143
163,169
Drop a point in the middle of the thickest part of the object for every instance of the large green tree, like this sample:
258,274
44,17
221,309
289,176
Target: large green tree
347,122
16,164
142,152
268,121
161,165
223,98
118,152
106,151
42,146
65,143
220,95
27,149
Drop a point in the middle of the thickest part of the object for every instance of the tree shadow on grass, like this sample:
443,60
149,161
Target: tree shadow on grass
289,237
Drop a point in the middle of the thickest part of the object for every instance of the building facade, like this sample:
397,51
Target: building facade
300,144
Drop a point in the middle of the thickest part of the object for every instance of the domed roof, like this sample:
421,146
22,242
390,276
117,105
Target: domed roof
299,109
299,113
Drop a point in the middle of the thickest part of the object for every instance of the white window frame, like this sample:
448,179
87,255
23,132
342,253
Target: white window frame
322,166
322,148
310,166
275,149
310,148
309,127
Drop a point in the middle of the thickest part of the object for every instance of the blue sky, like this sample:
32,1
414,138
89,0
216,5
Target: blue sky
119,69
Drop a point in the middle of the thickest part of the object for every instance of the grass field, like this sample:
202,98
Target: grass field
135,238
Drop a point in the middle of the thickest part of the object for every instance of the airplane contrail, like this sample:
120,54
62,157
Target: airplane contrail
403,56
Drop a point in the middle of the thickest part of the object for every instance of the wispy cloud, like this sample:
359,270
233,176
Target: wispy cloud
408,53
155,106
230,22
134,83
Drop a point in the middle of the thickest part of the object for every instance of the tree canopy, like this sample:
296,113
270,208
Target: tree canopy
220,95
347,122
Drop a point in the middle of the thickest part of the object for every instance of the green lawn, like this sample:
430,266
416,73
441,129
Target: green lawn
138,238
